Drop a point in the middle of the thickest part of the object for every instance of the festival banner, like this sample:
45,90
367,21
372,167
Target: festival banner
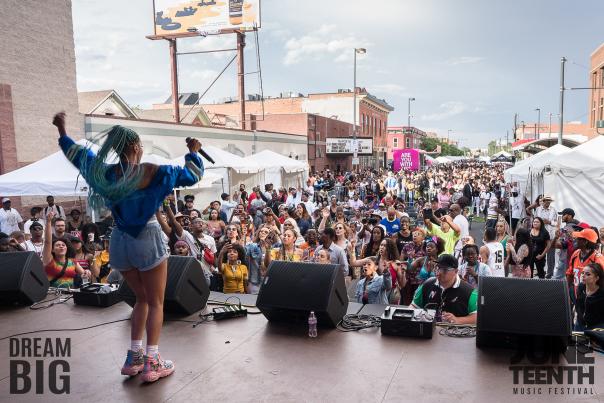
407,159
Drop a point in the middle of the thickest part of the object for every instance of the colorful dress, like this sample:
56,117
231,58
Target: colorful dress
53,269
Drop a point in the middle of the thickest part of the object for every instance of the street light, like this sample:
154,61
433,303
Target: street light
409,113
360,51
537,129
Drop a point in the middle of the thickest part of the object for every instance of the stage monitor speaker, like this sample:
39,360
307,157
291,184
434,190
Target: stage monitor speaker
522,312
186,288
22,278
291,290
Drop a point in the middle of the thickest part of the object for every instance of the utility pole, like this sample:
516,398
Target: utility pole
241,78
562,62
515,125
538,127
174,71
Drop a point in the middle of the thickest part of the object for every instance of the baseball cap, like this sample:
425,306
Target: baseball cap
548,197
179,215
36,224
581,226
587,234
6,199
446,260
189,197
568,211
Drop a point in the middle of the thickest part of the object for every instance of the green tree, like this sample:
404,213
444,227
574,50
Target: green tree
430,144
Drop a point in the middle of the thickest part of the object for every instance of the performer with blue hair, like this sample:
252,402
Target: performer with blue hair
134,192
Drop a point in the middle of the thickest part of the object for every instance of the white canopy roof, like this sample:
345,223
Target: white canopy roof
269,159
587,158
224,159
520,171
504,153
55,175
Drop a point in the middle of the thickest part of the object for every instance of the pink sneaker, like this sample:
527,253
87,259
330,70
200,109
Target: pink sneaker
134,363
156,368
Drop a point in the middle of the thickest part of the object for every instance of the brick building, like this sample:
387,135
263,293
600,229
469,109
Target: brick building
596,96
37,79
372,119
403,137
317,129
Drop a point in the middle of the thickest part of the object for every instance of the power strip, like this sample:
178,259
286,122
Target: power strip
228,312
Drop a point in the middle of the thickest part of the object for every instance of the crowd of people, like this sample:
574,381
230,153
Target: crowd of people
396,237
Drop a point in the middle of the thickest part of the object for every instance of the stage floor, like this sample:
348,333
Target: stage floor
249,359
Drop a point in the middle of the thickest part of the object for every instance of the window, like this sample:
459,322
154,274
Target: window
395,142
601,77
601,112
407,142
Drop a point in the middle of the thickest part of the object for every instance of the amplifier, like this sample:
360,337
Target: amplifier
408,322
96,294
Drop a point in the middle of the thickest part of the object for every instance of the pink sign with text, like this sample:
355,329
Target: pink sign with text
407,159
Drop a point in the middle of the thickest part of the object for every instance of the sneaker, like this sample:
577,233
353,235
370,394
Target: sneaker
156,368
134,363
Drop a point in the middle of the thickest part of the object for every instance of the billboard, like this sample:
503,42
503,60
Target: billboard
174,17
407,159
347,146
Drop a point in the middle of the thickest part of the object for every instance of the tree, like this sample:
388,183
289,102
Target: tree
430,144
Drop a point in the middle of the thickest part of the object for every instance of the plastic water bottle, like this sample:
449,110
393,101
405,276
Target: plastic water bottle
312,325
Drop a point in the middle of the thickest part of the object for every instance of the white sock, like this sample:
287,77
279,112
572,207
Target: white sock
136,345
152,350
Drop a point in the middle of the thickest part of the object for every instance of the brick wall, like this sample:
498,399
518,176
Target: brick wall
39,65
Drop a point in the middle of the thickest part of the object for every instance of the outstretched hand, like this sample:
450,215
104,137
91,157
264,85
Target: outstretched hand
59,122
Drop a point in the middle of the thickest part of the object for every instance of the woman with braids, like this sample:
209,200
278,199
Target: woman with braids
134,192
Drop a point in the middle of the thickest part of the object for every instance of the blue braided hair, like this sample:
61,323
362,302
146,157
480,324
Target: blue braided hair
117,142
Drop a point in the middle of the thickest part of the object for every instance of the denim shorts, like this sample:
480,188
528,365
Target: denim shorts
142,253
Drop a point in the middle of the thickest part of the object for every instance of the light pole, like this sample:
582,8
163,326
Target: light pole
409,112
562,63
538,110
354,100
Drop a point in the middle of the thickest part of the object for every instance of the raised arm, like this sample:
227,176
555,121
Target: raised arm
47,251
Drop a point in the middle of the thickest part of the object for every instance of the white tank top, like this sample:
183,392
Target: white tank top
495,261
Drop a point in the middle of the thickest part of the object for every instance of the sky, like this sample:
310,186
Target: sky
469,64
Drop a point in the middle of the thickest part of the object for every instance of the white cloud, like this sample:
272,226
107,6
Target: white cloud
455,61
387,88
321,43
449,109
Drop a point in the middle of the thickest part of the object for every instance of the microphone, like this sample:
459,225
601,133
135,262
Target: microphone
203,153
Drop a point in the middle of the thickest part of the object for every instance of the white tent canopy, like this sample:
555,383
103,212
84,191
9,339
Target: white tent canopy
279,169
233,169
576,180
502,153
55,175
521,171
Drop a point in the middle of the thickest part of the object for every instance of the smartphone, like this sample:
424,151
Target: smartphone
559,220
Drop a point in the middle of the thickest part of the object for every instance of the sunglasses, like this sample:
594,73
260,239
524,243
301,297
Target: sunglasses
444,269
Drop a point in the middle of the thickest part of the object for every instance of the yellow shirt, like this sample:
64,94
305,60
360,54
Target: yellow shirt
294,257
450,237
234,277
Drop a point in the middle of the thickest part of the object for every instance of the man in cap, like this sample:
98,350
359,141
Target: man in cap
36,243
448,293
585,254
10,219
564,242
35,217
188,207
549,215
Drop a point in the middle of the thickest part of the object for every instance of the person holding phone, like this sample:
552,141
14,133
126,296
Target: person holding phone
133,192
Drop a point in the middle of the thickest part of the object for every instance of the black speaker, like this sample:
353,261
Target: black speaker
291,290
522,312
186,288
22,278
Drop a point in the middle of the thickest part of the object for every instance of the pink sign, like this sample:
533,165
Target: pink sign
407,159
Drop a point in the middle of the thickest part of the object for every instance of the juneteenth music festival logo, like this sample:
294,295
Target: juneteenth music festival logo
552,373
48,372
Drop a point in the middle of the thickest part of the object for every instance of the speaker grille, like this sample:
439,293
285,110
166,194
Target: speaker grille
523,306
